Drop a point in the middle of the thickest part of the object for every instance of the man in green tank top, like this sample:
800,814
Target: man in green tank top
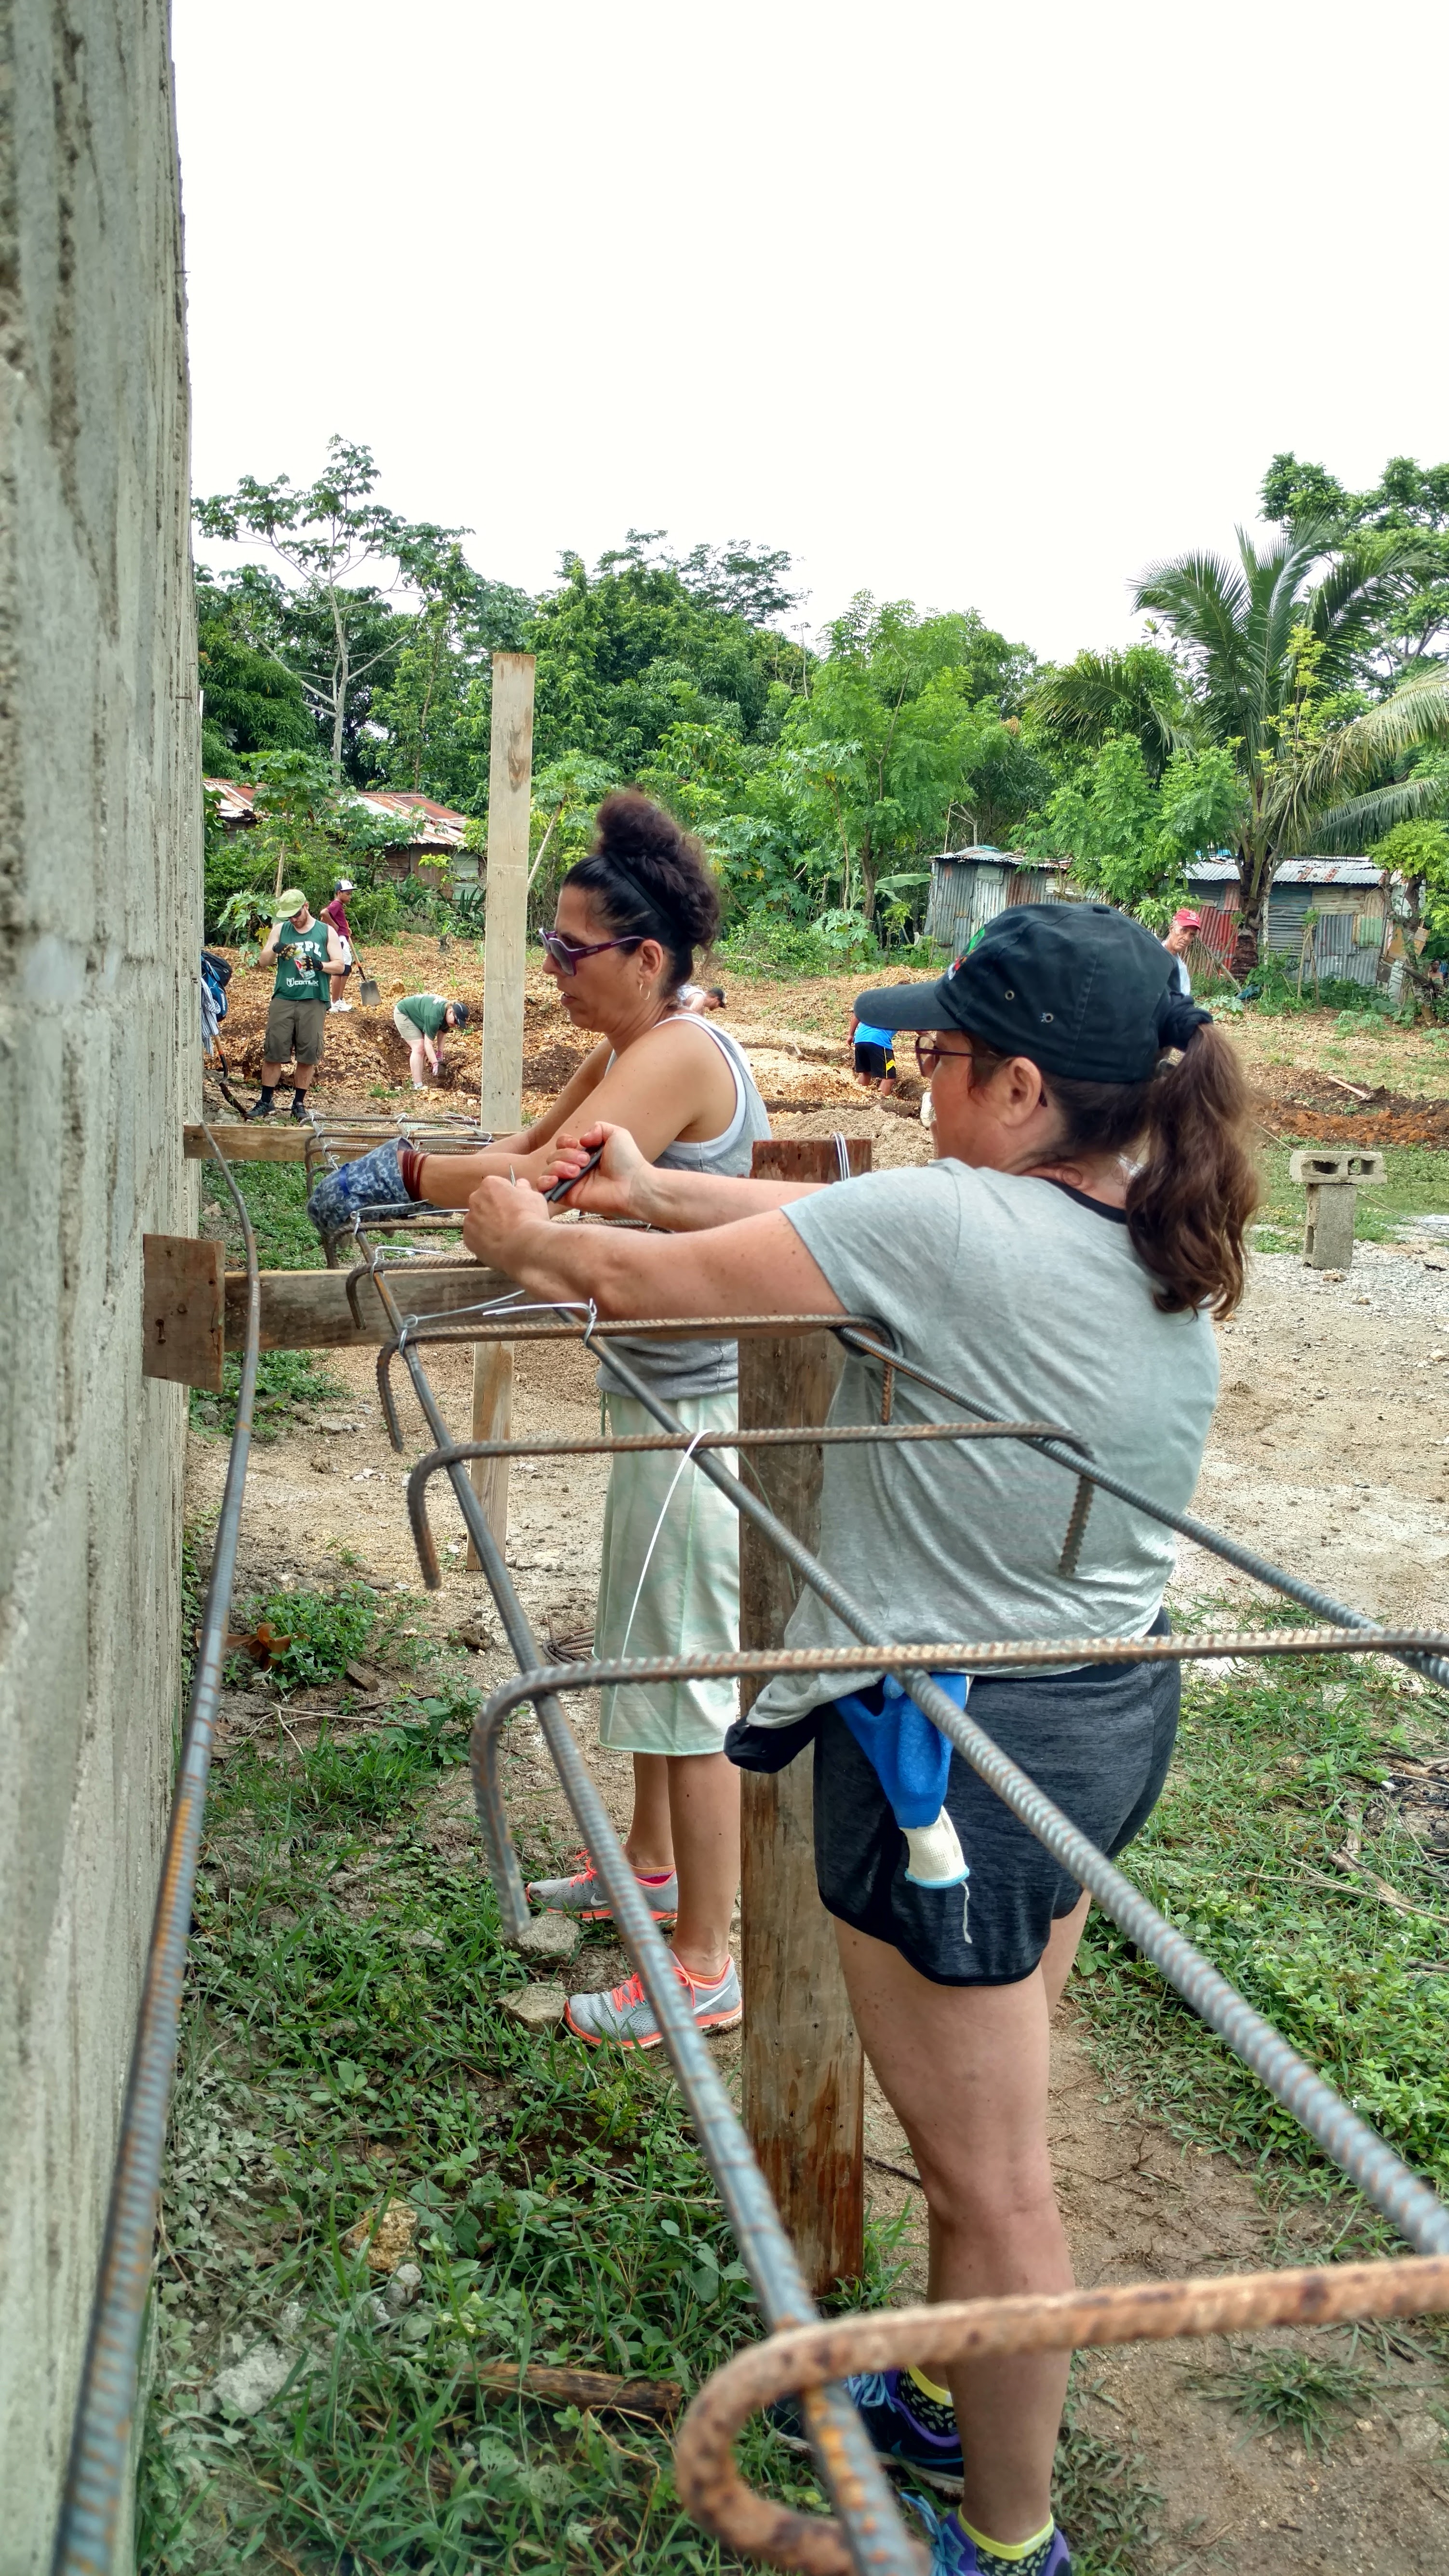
308,954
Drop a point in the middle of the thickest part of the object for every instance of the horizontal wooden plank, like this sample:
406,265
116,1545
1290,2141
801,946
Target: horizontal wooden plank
307,1310
287,1143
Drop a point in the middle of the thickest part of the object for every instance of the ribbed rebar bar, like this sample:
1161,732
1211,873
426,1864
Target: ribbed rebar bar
1349,2141
86,2536
876,2539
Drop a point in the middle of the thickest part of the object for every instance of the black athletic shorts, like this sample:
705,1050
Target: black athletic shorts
878,1061
1098,1742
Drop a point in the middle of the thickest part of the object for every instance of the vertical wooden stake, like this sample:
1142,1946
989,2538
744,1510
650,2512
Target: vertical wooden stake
500,1106
802,2072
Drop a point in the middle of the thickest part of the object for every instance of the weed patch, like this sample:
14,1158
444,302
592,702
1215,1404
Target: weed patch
276,1202
286,1381
1281,1829
1287,2390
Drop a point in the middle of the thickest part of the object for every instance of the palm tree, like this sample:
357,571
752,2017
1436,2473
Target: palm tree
1097,694
1268,646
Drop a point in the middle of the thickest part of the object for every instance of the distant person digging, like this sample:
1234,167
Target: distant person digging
420,1021
875,1058
309,960
701,999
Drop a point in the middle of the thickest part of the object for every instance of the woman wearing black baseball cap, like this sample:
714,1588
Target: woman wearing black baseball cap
1061,1260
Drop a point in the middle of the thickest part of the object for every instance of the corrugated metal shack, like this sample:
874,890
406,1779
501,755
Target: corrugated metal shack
970,887
434,839
1349,899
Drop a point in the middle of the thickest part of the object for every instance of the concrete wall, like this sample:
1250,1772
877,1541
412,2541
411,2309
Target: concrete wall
99,1063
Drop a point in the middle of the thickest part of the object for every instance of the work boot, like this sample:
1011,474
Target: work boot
265,1103
299,1105
368,1188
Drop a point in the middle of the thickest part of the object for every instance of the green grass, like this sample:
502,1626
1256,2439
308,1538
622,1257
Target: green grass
1417,1185
344,2044
1271,1779
276,1202
285,1381
1282,2389
564,2211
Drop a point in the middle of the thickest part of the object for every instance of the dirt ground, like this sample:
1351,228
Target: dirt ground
1330,1450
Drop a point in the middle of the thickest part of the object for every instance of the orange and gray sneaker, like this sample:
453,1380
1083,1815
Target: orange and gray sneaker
583,1894
624,2017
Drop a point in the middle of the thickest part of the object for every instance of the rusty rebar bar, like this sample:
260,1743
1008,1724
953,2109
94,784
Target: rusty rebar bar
709,2484
86,2536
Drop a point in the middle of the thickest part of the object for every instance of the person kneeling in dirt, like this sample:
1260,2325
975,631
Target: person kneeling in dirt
309,961
630,919
420,1021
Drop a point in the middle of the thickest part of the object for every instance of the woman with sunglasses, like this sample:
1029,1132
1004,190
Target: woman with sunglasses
630,918
1061,1262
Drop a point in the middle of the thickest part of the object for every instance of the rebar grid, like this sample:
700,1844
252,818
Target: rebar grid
801,2353
86,2536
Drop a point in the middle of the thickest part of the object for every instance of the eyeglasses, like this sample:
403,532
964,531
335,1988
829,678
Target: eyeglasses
566,956
929,1056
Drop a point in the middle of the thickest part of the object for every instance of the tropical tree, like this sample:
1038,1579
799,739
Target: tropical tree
891,742
1131,834
1272,644
1098,695
329,537
1417,855
1409,501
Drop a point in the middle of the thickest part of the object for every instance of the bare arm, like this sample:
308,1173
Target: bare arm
336,964
756,1267
270,950
622,1183
661,1086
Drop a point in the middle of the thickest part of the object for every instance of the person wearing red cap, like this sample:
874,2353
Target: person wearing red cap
1177,944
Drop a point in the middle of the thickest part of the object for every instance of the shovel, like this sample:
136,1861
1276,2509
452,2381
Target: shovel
368,989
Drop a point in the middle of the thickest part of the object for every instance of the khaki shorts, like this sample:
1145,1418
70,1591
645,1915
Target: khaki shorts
407,1029
294,1030
670,1583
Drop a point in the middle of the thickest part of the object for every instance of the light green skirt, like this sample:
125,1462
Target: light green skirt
686,1601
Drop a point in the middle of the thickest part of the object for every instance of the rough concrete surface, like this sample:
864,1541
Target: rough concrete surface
99,1038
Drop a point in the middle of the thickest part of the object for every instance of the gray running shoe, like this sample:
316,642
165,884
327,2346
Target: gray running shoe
624,2017
583,1895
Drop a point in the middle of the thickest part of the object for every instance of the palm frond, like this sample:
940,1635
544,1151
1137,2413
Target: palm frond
1361,820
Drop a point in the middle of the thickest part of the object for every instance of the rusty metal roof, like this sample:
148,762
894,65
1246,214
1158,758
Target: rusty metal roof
1347,872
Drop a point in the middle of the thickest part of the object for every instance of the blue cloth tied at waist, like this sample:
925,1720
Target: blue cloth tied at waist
911,1757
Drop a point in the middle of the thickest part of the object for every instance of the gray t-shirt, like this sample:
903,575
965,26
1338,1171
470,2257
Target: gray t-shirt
1032,1301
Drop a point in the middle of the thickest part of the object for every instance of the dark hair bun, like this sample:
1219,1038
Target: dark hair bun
648,876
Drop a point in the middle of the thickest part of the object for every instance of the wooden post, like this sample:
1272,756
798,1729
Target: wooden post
802,2072
500,1105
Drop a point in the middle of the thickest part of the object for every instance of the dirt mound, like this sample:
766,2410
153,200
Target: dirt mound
1309,1106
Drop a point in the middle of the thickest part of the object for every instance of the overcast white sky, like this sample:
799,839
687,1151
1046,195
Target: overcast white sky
973,304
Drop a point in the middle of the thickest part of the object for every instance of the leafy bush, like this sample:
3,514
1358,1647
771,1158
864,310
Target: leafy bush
375,913
767,942
324,1631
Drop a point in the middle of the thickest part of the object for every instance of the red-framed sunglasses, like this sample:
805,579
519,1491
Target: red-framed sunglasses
566,956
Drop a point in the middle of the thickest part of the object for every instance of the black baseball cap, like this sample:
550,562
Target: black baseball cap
1077,987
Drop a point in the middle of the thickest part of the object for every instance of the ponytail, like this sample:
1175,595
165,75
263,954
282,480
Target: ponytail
1192,1194
1188,1206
